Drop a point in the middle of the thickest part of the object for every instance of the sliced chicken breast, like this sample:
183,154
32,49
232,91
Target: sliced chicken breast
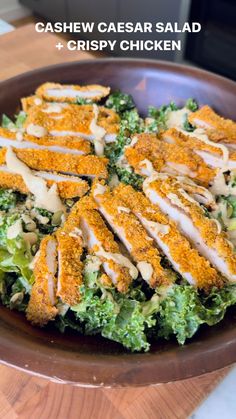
88,166
71,120
42,304
214,154
132,234
70,266
204,233
100,242
183,257
69,93
69,145
218,129
67,186
164,157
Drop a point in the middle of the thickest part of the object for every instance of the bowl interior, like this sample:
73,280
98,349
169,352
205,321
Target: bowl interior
93,360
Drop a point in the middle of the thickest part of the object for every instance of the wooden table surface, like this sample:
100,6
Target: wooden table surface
24,396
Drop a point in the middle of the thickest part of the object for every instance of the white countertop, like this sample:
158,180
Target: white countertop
221,404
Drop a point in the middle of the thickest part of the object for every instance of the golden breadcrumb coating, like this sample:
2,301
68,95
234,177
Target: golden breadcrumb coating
8,134
72,118
90,216
207,227
41,309
183,139
218,128
70,142
70,249
66,187
181,252
29,101
67,142
89,165
142,248
168,158
42,91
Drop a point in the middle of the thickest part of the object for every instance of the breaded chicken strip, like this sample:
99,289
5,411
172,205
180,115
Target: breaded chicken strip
42,304
183,257
56,92
69,145
214,154
164,157
99,240
88,166
71,120
218,129
130,231
204,233
67,186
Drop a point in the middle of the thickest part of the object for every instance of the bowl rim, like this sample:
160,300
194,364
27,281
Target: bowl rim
164,64
125,366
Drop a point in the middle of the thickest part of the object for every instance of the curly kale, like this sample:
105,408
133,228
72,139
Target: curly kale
115,316
183,310
191,104
159,116
8,199
120,102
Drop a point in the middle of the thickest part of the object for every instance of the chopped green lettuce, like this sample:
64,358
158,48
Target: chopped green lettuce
19,121
8,199
159,115
120,102
183,310
116,316
129,177
15,254
191,104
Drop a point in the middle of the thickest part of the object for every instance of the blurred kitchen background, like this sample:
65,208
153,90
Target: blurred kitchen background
214,48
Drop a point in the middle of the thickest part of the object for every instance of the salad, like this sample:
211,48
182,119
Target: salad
116,224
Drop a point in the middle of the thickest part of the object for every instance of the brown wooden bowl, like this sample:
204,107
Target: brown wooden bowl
93,361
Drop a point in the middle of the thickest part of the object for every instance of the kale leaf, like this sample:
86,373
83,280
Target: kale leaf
120,102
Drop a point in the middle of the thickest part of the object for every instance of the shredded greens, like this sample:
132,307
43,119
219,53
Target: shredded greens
120,102
17,124
183,310
116,316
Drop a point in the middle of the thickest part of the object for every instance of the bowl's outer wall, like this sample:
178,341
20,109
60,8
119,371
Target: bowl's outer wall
92,360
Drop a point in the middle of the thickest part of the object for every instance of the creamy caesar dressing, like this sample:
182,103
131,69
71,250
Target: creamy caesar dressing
176,201
44,197
15,230
36,130
157,228
146,167
219,185
53,108
76,232
123,209
38,101
98,132
176,119
146,270
99,189
120,260
201,135
114,181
